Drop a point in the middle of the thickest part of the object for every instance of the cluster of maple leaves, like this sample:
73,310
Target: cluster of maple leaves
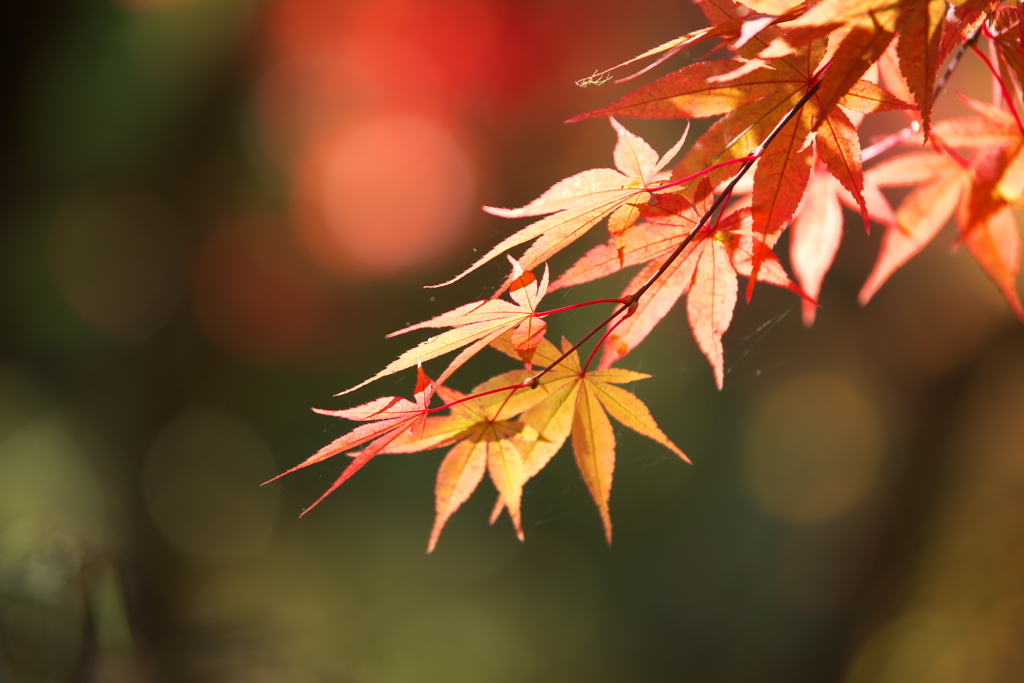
796,81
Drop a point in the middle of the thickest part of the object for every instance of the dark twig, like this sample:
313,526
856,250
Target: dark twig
633,299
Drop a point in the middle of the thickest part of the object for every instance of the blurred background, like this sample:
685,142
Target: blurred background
211,213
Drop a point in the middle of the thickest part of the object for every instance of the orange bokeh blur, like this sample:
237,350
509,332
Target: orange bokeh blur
382,196
365,104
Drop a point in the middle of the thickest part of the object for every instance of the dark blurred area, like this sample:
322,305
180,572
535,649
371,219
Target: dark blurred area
213,211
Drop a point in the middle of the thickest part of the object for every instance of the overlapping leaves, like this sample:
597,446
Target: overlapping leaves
790,94
981,190
753,96
580,202
706,272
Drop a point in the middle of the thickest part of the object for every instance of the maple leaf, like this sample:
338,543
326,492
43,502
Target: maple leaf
816,233
388,418
818,228
477,324
577,203
863,30
961,22
577,402
787,106
706,271
939,180
1005,33
666,49
919,52
485,438
836,179
988,227
754,100
979,190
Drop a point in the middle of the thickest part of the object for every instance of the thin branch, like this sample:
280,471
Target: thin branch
969,43
535,380
629,312
633,299
720,200
901,136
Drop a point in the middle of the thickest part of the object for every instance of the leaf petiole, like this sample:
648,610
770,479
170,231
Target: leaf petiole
628,302
630,310
727,191
581,305
682,181
1002,86
510,388
631,301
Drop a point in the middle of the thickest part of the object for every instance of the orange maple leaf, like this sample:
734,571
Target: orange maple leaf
485,438
815,236
577,402
818,224
577,203
477,324
939,180
754,97
979,189
706,271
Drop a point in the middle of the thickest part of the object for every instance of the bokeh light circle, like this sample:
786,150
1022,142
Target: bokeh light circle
378,197
814,448
202,486
919,646
48,482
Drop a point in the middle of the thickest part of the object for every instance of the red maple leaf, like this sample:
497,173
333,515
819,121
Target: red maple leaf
386,417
